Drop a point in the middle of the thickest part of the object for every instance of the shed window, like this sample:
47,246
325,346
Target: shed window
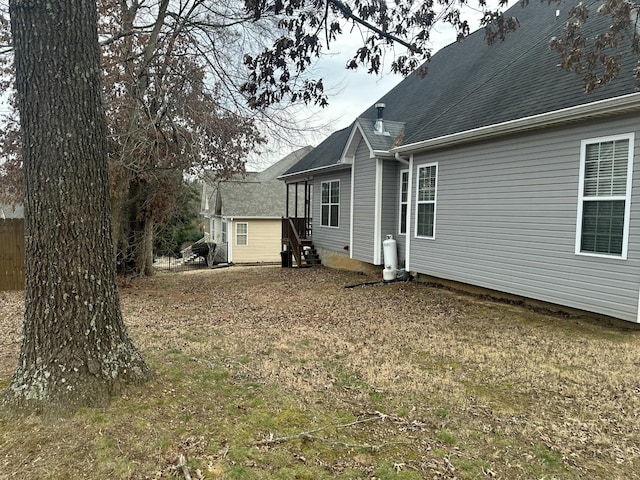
404,192
426,200
604,196
242,234
330,203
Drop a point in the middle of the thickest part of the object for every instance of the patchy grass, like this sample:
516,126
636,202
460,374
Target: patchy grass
284,374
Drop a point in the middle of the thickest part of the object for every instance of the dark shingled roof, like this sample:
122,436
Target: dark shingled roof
326,154
471,84
257,194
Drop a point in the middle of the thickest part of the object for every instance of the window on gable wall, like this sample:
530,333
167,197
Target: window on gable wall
242,233
426,200
330,204
605,195
404,192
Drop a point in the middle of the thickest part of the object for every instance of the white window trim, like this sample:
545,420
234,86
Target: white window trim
243,234
627,204
330,204
435,200
400,203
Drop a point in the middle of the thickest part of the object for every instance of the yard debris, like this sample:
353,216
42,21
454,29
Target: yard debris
261,365
182,467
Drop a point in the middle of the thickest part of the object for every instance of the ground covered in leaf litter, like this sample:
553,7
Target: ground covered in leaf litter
284,373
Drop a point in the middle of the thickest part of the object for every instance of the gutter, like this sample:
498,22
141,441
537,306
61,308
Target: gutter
601,108
385,154
255,217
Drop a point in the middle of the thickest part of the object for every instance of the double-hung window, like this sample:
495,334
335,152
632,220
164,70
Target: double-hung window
427,183
242,233
604,198
330,203
404,192
224,231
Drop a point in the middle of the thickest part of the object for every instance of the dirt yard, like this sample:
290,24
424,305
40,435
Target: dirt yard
266,372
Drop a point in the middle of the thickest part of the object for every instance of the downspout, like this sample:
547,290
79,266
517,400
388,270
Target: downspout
377,215
407,248
353,170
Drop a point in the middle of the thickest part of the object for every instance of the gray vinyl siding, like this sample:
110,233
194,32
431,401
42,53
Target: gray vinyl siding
506,220
391,205
331,238
364,186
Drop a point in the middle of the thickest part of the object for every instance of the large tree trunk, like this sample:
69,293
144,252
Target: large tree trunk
75,350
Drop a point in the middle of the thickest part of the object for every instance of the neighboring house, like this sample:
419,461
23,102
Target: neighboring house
11,211
243,215
495,170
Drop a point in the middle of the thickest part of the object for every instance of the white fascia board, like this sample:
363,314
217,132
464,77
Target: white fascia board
601,108
357,129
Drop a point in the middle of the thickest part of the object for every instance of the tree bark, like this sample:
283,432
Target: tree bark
76,350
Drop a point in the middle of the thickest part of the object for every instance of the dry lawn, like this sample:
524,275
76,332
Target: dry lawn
284,373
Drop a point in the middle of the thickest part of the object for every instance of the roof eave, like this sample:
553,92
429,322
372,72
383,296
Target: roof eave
384,154
600,108
250,217
306,173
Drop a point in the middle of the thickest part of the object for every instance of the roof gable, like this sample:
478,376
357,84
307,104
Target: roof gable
283,165
377,141
364,129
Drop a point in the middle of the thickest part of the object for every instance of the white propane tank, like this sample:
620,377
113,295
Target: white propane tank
390,251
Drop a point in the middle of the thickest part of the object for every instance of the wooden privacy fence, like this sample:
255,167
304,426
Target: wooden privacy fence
12,254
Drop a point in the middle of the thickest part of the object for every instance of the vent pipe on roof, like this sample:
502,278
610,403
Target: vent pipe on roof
379,125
